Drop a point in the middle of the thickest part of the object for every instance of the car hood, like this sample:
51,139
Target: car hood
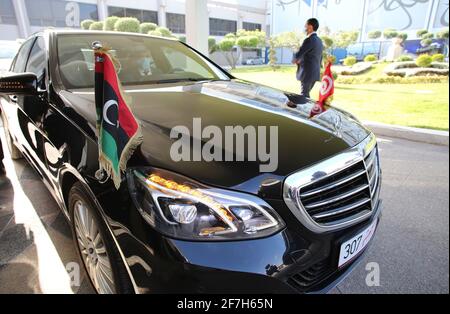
301,141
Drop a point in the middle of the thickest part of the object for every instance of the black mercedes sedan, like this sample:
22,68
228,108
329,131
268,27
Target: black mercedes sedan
183,222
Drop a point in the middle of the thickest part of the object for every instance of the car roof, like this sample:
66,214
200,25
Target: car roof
88,32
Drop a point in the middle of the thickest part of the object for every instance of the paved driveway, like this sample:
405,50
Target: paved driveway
411,246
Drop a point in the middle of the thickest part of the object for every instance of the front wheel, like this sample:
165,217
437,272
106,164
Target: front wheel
95,245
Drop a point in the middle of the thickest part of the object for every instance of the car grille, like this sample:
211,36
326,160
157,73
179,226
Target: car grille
307,279
338,192
345,194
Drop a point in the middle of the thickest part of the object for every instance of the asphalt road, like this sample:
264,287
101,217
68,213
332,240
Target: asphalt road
411,246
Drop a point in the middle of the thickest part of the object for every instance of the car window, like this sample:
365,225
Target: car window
22,56
37,59
143,60
181,62
8,51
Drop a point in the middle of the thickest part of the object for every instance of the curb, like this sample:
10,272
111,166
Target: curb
408,133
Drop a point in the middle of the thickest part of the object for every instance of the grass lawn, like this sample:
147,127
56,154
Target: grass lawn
415,105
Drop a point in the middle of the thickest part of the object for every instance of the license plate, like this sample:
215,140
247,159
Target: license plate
351,249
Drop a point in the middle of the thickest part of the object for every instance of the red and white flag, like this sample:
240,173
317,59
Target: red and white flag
326,92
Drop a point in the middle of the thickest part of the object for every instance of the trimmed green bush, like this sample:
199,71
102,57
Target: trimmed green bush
350,61
155,33
370,58
144,28
109,23
164,31
96,26
421,32
182,38
403,36
390,33
374,34
439,57
391,80
426,42
86,24
443,34
212,44
127,24
404,58
424,61
227,44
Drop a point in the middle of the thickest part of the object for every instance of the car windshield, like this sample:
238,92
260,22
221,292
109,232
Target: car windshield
143,60
8,50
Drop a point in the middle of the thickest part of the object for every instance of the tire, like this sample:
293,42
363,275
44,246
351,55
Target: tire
13,150
100,258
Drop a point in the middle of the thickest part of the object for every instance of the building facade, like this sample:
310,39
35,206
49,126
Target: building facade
20,18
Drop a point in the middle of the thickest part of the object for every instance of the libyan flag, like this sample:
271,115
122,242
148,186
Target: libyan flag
118,131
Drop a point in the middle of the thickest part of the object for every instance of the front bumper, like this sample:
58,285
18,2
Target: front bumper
292,261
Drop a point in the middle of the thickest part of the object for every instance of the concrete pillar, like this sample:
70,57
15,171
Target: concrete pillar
162,18
23,22
364,15
102,8
197,24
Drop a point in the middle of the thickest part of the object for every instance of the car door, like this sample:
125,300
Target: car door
10,103
31,109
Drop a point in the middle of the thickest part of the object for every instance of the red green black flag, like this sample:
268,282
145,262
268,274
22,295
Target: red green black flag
118,131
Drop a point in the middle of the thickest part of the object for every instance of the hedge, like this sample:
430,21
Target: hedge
127,24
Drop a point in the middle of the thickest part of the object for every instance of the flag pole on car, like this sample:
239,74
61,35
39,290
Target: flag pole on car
119,134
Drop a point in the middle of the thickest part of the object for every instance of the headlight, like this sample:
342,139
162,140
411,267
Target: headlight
182,208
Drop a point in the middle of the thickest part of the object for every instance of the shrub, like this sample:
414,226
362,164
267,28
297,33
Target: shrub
426,42
421,32
164,31
374,34
443,34
227,44
391,80
182,38
439,65
428,35
390,33
327,41
424,61
212,44
86,24
144,28
335,74
439,57
96,26
127,24
403,36
110,22
370,58
350,61
404,58
155,33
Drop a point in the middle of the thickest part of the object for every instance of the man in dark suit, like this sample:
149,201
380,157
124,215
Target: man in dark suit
309,58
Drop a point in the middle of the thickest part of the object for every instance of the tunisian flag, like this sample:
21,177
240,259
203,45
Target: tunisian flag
118,131
326,92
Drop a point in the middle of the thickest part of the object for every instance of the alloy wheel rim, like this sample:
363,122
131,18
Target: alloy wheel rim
93,249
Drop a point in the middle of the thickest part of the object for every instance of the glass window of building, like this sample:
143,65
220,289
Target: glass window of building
7,14
141,15
252,26
219,27
176,23
54,12
88,11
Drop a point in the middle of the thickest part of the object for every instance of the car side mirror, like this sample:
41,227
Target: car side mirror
19,84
